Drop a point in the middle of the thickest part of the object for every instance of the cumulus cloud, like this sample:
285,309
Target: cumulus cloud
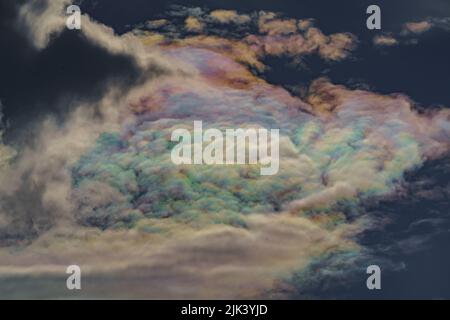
385,40
275,36
193,24
41,173
102,181
227,16
277,26
417,27
42,169
155,24
304,24
333,47
412,31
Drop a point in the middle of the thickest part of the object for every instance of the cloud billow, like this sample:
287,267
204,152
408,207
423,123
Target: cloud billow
99,185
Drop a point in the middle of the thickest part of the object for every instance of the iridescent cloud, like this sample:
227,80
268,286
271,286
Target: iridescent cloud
120,207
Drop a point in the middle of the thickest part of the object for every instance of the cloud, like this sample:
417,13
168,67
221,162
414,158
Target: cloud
333,47
304,24
277,26
337,46
43,19
100,182
385,40
390,145
41,172
411,32
275,36
442,23
236,49
339,191
417,27
36,55
193,24
46,19
156,24
219,261
184,11
227,16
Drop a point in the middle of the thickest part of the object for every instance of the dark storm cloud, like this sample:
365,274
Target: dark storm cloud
72,69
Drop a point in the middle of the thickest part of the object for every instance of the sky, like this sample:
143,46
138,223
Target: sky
86,119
